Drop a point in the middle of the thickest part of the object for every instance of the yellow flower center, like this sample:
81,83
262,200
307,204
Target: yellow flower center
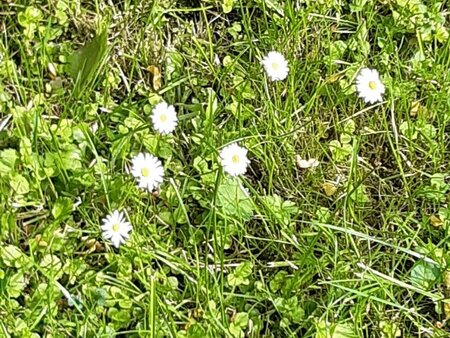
372,85
145,172
274,66
116,227
235,159
163,118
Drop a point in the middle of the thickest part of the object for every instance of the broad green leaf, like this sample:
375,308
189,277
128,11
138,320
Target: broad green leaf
121,316
47,291
29,16
121,147
349,127
63,129
340,151
201,165
241,319
358,5
239,322
328,330
20,326
234,280
438,181
62,207
16,284
125,303
8,158
19,184
436,190
239,277
227,6
408,129
345,139
389,329
52,266
179,215
428,130
294,310
85,63
281,210
425,275
71,157
239,109
359,194
26,150
12,256
195,331
236,331
291,310
337,49
234,200
244,269
133,123
343,331
277,282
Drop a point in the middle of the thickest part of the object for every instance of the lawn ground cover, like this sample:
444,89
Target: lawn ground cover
233,168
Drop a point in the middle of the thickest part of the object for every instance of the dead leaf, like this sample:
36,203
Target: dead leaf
447,311
156,76
334,78
40,241
92,245
51,70
447,279
99,246
436,221
329,188
439,324
156,193
415,107
197,313
90,242
446,282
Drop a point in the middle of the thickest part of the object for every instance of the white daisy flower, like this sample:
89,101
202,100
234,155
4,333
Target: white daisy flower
234,159
164,118
148,170
116,228
369,86
276,66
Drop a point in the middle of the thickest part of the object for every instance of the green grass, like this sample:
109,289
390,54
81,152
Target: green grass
205,259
